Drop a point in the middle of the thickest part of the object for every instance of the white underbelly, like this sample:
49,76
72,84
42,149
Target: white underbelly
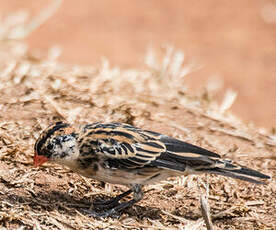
129,177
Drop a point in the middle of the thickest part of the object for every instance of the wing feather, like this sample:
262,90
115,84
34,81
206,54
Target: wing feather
130,147
124,146
177,146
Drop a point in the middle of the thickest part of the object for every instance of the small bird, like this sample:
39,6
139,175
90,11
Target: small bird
119,153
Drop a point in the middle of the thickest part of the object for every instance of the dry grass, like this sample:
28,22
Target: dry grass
36,90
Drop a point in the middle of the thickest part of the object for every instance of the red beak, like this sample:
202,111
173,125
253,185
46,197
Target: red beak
39,160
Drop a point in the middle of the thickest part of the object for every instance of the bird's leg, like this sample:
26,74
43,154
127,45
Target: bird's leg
112,202
137,196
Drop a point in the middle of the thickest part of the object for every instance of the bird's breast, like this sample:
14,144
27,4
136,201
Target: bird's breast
141,176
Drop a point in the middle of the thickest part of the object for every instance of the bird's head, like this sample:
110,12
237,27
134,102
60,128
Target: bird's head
56,143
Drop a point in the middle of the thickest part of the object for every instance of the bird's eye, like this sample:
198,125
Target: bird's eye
46,153
50,146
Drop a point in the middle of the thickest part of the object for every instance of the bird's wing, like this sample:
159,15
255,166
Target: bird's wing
121,145
180,154
125,146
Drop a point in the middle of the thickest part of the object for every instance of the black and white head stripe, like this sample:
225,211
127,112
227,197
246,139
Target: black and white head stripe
51,130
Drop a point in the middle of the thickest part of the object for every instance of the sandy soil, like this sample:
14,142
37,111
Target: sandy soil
231,41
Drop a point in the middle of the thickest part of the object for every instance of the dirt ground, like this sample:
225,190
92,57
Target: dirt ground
233,41
230,41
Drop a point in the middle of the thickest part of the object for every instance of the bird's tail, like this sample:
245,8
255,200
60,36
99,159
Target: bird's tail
184,157
226,168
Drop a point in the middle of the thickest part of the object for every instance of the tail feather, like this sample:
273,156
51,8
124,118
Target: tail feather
184,157
204,164
238,172
234,175
247,171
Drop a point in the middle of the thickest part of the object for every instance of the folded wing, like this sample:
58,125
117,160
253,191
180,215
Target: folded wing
127,147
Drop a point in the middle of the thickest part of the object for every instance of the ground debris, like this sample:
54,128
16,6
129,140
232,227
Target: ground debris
37,92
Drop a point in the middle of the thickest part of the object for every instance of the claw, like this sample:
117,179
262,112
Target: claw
106,204
109,213
112,202
116,206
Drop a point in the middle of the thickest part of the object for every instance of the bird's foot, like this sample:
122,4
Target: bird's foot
113,212
104,214
104,204
116,206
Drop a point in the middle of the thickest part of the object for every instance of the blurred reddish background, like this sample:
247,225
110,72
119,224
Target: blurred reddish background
233,40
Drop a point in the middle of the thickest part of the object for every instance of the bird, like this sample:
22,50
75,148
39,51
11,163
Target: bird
120,153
